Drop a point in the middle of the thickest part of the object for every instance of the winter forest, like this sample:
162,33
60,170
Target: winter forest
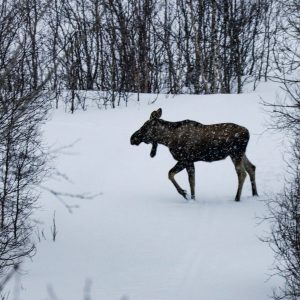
84,214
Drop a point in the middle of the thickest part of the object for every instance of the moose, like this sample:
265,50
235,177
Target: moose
190,141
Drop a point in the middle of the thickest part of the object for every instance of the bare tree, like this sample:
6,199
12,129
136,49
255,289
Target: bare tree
285,208
149,46
23,106
285,233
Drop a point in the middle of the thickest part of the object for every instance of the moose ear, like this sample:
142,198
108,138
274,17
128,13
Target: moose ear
156,114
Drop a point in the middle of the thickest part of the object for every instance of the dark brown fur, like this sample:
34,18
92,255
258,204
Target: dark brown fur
190,141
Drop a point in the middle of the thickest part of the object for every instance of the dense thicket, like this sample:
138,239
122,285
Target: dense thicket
22,108
285,208
159,45
118,47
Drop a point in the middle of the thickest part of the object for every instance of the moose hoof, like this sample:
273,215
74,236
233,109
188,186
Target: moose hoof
184,194
237,198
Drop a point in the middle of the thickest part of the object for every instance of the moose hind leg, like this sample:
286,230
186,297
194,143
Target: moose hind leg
241,173
176,169
191,172
250,168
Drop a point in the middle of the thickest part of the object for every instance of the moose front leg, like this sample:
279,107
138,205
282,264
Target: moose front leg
176,169
191,172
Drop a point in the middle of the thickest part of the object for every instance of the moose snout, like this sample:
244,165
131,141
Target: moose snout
135,140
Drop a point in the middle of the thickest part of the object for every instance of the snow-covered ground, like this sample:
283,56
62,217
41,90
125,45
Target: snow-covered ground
140,240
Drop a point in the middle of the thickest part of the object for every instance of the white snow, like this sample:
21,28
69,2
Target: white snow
140,240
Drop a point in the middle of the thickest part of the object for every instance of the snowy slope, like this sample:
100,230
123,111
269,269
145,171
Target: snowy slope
141,240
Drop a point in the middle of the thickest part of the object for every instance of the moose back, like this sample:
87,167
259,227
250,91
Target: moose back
190,141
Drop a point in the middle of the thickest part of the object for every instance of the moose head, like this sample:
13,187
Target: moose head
148,132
